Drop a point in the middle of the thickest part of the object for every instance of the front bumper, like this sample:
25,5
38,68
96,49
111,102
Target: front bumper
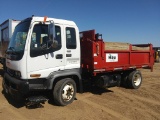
15,87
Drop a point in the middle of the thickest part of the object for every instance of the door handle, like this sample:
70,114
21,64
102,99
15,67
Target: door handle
68,55
59,56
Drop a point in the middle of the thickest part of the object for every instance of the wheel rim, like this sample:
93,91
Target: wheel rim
137,80
68,92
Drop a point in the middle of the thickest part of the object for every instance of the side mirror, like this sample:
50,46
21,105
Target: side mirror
51,31
51,34
52,44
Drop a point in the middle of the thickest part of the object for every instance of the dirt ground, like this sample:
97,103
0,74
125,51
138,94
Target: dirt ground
112,104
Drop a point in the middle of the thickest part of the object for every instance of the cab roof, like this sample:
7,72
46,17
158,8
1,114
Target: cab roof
60,21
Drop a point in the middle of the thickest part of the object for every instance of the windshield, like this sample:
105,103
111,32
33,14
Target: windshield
18,40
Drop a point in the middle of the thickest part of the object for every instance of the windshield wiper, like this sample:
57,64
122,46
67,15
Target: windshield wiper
11,50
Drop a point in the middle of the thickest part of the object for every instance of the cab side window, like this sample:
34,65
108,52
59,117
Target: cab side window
40,40
70,38
39,36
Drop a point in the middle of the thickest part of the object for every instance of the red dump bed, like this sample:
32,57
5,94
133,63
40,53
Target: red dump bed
99,56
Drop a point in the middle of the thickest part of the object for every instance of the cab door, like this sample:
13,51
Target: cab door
72,47
39,61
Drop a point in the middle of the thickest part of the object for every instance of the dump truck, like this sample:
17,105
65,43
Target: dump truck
6,31
48,54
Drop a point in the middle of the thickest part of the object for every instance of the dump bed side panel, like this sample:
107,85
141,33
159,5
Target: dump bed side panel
98,56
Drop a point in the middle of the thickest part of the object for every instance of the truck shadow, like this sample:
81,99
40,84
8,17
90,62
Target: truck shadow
23,102
49,96
17,104
95,90
10,100
1,72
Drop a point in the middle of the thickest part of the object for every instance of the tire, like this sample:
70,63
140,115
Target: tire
64,92
135,79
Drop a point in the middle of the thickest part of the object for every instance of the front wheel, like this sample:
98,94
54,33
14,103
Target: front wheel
135,79
64,92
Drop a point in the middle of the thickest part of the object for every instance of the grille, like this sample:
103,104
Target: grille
10,72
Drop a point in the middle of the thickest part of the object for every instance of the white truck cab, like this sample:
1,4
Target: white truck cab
44,54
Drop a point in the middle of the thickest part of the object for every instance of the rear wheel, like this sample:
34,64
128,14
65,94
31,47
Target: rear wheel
64,92
135,79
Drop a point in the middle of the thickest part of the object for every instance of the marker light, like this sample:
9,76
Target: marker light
45,18
35,75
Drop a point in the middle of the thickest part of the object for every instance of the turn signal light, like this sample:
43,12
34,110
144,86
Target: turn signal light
35,75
